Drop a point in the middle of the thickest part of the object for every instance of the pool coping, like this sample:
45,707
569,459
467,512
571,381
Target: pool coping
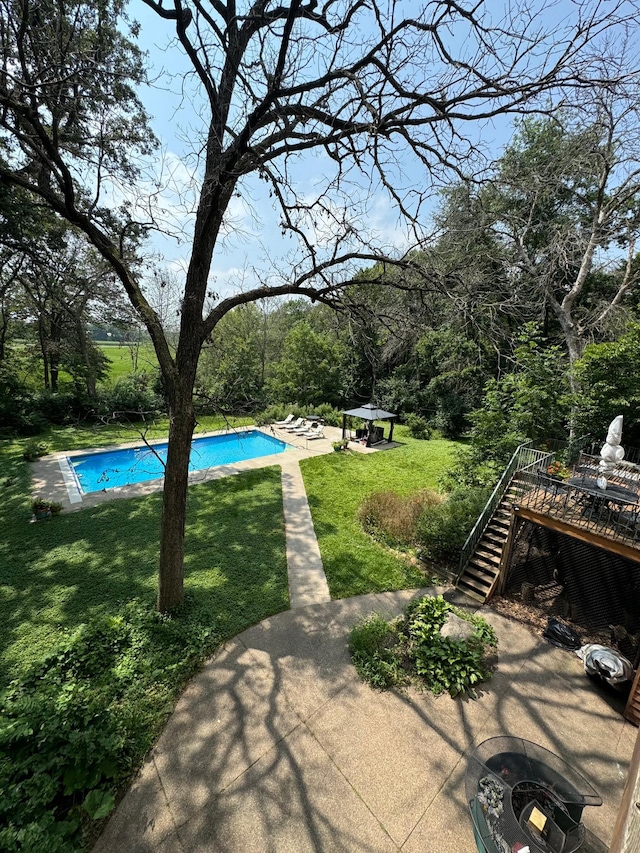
52,477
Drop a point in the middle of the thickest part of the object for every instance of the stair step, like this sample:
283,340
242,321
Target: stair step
471,591
490,563
479,578
489,550
494,538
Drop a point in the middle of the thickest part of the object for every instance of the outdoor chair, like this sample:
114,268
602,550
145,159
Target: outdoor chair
295,425
314,432
285,422
550,485
629,522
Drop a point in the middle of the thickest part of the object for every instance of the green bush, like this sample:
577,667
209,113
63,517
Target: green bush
277,412
418,427
445,664
412,650
132,396
76,726
393,518
34,450
331,416
443,529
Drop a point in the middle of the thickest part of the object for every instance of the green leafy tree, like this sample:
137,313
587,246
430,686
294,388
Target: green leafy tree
309,371
231,373
529,403
610,385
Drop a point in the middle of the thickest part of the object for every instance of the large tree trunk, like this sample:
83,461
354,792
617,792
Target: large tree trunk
174,506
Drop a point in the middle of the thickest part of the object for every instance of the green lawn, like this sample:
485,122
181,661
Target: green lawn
127,359
337,484
99,700
58,573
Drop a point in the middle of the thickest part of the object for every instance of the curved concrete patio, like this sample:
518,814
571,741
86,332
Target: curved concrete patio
277,746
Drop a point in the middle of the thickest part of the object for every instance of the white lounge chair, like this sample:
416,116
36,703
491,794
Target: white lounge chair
285,422
294,426
315,432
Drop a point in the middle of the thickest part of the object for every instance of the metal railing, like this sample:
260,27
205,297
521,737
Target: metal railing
613,513
525,458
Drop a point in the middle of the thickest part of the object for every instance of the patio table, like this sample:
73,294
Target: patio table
512,784
613,494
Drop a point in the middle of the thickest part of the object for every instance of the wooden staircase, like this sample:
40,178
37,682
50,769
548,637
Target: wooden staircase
480,575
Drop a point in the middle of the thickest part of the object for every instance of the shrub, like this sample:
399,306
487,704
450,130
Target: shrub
277,413
412,649
443,529
331,416
62,407
132,396
393,518
370,644
34,450
418,427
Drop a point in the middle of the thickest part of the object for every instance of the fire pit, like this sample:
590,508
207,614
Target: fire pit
521,795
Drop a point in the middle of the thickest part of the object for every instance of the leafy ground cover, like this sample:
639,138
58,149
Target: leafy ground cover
338,483
411,650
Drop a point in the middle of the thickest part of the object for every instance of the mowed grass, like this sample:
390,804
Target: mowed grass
127,359
58,573
337,484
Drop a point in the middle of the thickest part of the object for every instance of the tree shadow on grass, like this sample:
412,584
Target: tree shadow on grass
60,572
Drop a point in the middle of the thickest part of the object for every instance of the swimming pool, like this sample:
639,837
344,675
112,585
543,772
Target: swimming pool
108,469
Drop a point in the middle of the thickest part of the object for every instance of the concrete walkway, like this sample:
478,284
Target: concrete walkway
277,747
307,580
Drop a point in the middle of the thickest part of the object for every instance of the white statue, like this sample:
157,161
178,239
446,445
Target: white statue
612,452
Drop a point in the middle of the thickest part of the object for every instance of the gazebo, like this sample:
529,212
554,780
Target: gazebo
370,413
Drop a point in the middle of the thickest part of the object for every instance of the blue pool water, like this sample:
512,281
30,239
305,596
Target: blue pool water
111,468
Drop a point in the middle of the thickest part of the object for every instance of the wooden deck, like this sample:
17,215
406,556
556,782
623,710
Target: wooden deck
613,526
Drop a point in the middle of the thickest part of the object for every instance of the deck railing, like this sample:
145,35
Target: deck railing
525,458
608,514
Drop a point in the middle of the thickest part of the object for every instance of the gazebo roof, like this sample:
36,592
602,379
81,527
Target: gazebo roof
369,412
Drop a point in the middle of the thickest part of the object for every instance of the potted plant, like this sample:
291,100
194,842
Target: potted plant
41,507
340,445
558,471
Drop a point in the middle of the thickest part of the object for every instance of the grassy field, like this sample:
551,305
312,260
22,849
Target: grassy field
126,359
336,486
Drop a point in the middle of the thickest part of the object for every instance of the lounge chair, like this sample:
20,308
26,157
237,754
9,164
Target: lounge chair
314,432
285,422
291,427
